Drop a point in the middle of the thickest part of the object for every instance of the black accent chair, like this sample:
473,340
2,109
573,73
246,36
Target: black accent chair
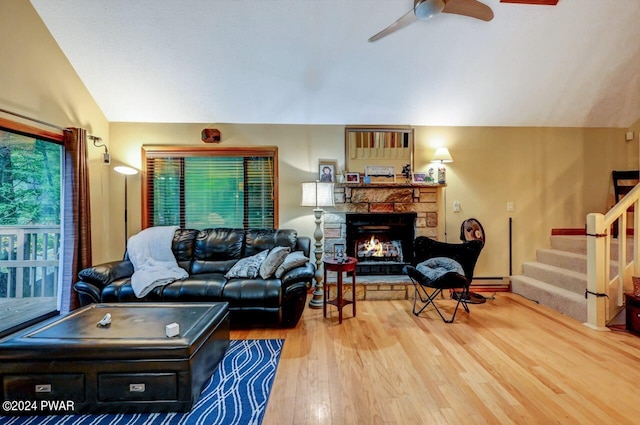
465,253
624,182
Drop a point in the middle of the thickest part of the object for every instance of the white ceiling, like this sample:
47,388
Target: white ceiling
576,64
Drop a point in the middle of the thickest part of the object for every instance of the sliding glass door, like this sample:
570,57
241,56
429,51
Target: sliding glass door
30,217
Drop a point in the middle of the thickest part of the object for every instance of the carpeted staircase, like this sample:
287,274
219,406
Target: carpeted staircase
558,278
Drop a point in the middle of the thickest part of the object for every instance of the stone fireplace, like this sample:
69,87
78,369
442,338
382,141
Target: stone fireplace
421,202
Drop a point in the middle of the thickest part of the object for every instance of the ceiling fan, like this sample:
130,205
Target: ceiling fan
425,9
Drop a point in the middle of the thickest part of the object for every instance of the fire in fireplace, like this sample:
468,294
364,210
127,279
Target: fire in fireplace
378,250
382,243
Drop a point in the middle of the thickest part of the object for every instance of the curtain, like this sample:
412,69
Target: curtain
76,219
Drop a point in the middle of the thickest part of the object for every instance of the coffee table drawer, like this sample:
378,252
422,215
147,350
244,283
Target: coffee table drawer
137,386
44,387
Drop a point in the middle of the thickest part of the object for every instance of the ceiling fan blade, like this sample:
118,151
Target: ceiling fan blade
407,19
471,8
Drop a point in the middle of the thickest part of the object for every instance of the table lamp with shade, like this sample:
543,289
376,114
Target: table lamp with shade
442,156
317,195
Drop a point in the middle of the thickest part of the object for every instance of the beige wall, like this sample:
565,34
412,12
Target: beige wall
545,172
634,145
38,81
554,176
548,173
299,148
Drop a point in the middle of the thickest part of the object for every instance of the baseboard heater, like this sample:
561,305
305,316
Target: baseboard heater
491,283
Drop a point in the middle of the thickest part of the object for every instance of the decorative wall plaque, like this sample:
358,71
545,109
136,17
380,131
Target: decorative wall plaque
210,135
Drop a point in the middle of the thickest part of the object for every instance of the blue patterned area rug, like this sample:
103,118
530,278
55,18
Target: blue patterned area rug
236,394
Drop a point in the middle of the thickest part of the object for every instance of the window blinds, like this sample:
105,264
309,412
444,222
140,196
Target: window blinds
210,188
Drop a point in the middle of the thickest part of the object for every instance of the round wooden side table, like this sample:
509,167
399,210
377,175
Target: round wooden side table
348,264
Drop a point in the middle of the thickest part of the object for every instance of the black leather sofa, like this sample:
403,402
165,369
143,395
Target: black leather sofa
207,255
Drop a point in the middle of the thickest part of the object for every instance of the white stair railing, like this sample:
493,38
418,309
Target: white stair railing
607,281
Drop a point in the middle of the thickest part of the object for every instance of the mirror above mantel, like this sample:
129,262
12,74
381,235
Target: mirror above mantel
378,146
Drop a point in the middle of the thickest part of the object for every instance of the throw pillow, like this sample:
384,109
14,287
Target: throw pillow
293,260
248,267
433,268
275,257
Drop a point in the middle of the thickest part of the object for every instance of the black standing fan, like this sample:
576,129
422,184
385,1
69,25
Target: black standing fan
470,230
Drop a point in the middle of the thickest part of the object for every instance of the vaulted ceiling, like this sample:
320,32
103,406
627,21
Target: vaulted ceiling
576,64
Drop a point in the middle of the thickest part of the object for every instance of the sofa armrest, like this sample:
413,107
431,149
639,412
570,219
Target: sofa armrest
304,273
87,293
303,243
103,274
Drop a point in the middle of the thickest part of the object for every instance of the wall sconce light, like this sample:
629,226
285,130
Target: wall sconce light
97,142
317,194
442,156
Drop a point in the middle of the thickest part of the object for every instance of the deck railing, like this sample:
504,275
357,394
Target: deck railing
29,261
608,280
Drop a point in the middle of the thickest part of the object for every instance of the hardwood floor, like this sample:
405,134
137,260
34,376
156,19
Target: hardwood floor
510,361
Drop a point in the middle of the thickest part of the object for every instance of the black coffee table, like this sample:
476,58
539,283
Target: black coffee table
129,366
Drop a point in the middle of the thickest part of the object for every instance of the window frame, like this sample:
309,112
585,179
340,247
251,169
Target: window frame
27,130
154,151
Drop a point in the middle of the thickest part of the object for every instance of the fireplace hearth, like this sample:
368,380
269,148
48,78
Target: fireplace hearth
381,242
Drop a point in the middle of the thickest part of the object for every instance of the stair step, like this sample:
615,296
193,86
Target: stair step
559,299
575,244
614,250
568,279
564,259
578,245
569,261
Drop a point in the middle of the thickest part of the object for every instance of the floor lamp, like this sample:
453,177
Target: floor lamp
317,195
442,156
126,171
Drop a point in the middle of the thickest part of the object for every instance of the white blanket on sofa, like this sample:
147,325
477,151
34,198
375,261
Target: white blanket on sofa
153,261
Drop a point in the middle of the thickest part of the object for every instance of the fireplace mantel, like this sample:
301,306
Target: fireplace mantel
389,185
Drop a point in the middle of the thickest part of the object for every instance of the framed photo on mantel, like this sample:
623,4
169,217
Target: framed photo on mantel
353,178
380,173
419,178
327,171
